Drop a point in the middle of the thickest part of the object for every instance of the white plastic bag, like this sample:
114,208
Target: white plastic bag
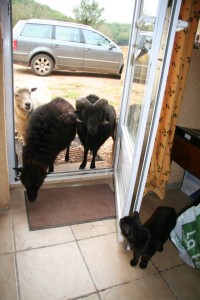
186,236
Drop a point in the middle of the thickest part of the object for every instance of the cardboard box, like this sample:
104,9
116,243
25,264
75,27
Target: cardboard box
191,185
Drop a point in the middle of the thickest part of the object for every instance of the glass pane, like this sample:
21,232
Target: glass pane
37,30
141,67
67,34
94,38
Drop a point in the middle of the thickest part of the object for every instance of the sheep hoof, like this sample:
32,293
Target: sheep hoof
51,169
82,166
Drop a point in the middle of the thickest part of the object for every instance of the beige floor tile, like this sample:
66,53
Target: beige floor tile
177,199
53,273
8,289
151,287
87,230
174,198
168,258
6,234
108,261
26,239
184,281
17,200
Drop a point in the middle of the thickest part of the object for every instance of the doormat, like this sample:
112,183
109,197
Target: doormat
70,205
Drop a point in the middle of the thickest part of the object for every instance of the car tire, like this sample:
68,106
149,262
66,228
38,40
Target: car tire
42,65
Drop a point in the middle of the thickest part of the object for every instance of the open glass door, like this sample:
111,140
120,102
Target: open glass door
146,75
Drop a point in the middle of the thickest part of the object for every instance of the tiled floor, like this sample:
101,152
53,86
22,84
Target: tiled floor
86,261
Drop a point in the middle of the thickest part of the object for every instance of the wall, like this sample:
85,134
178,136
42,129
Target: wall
190,109
4,181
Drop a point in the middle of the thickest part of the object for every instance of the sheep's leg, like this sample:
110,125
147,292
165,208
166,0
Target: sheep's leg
67,154
84,162
51,168
92,166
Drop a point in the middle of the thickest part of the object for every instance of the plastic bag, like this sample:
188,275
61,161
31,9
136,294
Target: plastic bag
186,236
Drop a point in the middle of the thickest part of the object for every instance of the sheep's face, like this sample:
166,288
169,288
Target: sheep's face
92,118
23,102
32,179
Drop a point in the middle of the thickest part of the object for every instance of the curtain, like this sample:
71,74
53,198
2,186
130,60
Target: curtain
160,165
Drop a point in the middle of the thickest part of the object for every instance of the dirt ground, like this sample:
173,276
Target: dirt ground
71,86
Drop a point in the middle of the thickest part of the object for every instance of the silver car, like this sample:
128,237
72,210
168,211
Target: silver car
47,45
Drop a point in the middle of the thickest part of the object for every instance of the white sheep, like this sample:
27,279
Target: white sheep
27,99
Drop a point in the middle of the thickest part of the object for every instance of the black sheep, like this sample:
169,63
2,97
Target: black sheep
51,129
96,122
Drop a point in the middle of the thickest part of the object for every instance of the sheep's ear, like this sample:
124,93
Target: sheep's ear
78,115
33,89
104,121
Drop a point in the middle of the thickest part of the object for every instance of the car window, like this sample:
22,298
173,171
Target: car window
69,34
94,38
37,30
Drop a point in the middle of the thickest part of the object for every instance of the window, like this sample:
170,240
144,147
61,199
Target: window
69,34
94,38
37,30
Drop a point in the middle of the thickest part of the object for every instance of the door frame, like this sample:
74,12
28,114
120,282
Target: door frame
160,95
136,184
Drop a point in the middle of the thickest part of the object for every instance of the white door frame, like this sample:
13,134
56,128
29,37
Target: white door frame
5,10
160,95
127,197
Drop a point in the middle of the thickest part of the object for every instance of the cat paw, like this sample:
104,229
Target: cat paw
133,263
143,266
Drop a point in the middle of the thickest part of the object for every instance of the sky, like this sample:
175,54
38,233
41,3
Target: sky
114,10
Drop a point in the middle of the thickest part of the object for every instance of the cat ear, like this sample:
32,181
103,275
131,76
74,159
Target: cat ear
126,230
136,216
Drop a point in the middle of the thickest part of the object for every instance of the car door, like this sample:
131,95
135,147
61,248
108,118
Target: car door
101,55
68,48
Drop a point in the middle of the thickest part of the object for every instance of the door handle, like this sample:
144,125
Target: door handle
55,45
145,19
87,49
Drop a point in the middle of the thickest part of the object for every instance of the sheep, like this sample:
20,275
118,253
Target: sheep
51,129
96,122
26,99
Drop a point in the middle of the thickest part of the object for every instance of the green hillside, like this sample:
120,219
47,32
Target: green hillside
28,9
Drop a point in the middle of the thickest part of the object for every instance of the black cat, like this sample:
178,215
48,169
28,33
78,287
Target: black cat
144,240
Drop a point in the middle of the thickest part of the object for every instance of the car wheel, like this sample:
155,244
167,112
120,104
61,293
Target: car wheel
42,64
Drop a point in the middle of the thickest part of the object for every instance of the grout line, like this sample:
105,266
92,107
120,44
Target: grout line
168,285
87,267
163,278
83,296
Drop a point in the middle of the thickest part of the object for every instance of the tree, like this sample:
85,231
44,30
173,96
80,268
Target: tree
89,13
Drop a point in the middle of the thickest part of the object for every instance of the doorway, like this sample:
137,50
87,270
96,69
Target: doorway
131,154
72,86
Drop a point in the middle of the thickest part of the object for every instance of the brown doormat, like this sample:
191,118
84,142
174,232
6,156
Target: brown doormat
70,205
